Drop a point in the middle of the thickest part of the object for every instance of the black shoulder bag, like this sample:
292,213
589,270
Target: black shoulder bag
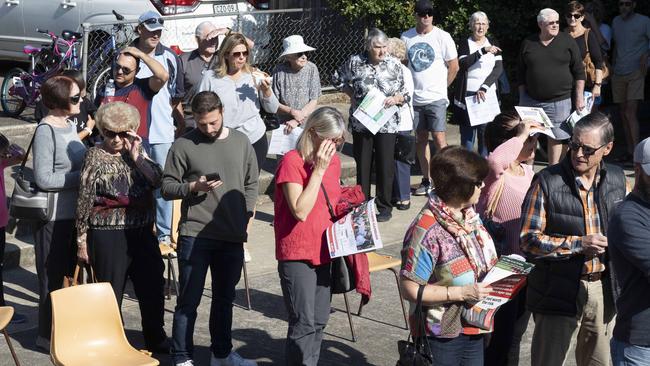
418,352
342,276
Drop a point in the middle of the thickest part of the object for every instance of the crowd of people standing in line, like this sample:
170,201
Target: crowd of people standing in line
118,161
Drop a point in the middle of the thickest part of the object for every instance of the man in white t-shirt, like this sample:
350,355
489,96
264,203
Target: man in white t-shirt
433,61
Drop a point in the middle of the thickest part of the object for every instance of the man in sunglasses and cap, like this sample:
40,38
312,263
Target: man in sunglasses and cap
165,113
564,223
433,60
630,254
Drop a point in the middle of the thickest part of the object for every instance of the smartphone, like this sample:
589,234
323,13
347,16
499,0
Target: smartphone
212,176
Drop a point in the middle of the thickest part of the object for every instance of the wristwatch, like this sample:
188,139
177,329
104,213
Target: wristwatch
88,129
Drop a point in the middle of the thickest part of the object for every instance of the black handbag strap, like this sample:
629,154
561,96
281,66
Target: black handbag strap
421,342
329,204
22,165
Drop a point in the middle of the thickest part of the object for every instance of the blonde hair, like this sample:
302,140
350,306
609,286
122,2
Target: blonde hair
325,122
397,48
117,117
233,40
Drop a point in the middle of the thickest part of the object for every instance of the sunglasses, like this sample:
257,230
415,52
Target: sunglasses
625,3
239,54
555,22
586,150
75,99
153,21
111,134
125,70
299,55
574,16
424,14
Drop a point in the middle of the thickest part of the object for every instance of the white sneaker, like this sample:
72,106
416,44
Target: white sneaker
186,363
233,359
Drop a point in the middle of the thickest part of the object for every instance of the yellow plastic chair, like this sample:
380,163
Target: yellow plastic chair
87,329
176,219
6,313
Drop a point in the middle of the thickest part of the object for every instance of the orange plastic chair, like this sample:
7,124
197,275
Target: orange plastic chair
6,313
87,329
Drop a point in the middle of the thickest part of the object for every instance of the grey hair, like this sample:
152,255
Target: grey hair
476,16
375,36
545,13
118,117
599,121
202,27
397,48
325,122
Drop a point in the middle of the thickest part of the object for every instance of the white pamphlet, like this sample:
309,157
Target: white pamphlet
482,112
538,115
371,111
282,143
577,114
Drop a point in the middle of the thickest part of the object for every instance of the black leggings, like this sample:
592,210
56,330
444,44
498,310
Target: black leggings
261,147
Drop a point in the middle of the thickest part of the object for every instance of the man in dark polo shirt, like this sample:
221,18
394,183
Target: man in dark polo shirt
136,92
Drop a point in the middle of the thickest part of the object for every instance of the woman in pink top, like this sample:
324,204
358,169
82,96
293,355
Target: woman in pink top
301,218
511,153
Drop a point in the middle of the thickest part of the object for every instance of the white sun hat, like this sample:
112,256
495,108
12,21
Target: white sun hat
294,44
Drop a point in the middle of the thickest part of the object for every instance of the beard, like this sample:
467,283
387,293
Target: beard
216,135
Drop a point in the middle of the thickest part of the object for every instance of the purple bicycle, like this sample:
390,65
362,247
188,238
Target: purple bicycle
22,88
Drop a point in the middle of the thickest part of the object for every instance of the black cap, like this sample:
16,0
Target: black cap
423,6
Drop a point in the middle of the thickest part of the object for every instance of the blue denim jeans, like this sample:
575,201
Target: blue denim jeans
225,260
164,208
625,354
463,350
469,134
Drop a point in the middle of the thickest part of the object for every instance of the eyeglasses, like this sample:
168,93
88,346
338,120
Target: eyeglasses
125,70
625,3
574,16
586,150
153,21
75,99
424,14
111,134
239,54
554,22
480,184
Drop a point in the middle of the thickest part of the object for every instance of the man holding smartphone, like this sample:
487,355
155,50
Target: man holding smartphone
218,200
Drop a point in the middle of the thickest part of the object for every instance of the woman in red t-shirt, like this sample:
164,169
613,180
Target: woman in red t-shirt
301,217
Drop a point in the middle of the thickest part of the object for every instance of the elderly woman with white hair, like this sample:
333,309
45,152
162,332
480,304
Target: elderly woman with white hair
550,73
481,64
374,69
115,216
305,179
296,83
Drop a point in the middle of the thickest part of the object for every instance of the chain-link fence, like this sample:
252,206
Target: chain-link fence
334,38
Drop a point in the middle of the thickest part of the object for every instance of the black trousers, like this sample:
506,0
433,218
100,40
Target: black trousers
55,254
134,253
379,148
261,148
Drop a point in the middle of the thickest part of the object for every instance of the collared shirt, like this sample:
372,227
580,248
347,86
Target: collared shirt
534,240
194,66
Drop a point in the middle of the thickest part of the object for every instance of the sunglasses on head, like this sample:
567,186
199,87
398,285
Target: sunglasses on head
75,99
111,134
125,70
424,14
574,16
625,3
239,54
153,21
586,150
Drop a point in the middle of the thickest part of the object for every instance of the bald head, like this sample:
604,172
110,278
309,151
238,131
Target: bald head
203,29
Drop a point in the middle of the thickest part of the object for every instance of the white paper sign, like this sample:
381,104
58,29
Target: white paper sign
482,112
371,112
538,115
282,143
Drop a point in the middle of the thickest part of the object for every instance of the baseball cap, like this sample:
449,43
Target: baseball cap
423,6
642,155
151,20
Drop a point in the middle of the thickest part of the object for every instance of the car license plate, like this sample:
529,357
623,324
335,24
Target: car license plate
18,82
225,8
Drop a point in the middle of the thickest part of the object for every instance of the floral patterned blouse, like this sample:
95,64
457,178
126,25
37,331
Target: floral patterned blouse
360,75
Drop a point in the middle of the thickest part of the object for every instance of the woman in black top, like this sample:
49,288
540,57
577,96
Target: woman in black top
574,15
84,120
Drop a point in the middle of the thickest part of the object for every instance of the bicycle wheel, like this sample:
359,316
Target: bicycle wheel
99,82
12,102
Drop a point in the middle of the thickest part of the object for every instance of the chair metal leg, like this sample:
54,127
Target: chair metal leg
174,278
248,295
401,301
11,347
347,310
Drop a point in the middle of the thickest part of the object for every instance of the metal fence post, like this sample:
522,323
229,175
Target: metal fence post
84,50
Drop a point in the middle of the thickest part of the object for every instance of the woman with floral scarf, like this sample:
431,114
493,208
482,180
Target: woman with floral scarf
448,251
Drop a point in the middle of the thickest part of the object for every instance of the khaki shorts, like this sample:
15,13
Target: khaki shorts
628,87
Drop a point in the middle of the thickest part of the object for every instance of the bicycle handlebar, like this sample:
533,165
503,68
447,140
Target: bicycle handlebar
118,16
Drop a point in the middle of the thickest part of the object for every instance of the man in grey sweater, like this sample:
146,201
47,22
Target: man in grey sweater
213,170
